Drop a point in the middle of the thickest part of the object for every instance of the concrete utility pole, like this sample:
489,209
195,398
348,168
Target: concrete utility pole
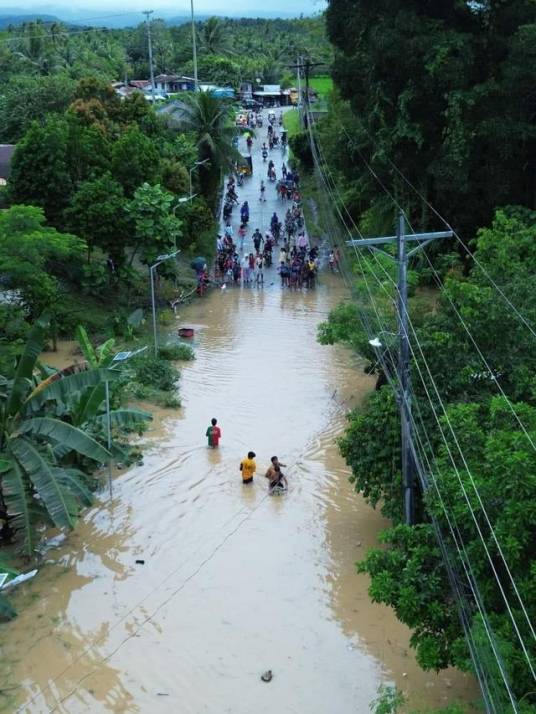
194,48
404,377
298,77
306,66
148,14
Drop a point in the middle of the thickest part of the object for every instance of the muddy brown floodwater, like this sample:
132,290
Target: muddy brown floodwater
233,582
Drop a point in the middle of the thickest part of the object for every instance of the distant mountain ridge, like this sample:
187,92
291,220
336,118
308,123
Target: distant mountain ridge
7,20
12,16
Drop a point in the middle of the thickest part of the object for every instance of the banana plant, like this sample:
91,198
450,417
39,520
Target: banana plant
87,410
35,485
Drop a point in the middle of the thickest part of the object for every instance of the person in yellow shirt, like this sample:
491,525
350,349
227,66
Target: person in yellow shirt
248,467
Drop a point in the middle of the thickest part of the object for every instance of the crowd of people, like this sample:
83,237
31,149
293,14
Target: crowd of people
297,260
243,258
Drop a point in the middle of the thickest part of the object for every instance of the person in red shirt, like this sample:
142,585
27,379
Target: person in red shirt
213,434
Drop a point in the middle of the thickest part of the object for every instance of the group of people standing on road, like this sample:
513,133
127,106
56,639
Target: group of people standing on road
297,262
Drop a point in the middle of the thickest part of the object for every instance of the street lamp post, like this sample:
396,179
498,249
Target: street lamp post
152,268
194,167
119,357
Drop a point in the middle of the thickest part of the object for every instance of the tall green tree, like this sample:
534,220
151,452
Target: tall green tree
213,37
440,89
40,168
155,225
97,214
27,98
33,257
135,160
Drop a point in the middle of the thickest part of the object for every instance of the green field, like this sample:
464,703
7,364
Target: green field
291,122
323,85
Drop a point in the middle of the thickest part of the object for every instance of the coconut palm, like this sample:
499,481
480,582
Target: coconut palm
212,37
210,119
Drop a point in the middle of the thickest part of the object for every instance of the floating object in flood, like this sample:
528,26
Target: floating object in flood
267,676
186,332
19,580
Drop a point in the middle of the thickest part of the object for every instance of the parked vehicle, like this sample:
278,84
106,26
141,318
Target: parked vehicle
251,104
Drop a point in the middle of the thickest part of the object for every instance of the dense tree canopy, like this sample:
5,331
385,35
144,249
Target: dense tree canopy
443,90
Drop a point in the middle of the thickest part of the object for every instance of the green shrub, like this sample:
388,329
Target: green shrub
157,373
94,279
175,352
166,317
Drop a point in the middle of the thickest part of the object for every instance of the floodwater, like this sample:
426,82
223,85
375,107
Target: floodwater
232,582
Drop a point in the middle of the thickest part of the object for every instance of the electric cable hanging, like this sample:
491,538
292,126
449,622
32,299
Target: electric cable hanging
499,547
412,327
518,314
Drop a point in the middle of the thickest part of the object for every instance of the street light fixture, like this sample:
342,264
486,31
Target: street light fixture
119,357
194,167
159,260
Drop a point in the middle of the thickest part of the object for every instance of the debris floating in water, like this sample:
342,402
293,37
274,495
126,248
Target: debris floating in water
267,676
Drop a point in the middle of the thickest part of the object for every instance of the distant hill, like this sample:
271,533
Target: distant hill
7,20
86,18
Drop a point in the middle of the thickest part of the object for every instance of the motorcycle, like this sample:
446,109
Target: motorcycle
267,255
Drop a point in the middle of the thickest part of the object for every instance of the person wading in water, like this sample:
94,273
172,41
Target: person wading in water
276,477
248,467
213,434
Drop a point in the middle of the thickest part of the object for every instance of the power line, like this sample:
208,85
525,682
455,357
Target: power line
484,510
456,235
447,444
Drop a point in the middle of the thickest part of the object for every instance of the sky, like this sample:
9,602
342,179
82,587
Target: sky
177,7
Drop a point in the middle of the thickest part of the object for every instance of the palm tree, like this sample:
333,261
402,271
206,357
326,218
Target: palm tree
210,119
41,447
212,37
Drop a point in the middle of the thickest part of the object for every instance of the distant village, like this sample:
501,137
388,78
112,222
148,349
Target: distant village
168,85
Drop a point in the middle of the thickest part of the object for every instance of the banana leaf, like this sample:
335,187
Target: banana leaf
63,433
125,418
21,507
63,388
75,481
57,499
86,346
105,352
25,367
89,404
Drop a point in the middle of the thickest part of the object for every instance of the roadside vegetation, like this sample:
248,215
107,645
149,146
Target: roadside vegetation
440,124
100,187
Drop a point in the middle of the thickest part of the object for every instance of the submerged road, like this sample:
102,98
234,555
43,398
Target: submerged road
233,582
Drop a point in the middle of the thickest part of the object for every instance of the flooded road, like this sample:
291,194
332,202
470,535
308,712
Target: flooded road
233,582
